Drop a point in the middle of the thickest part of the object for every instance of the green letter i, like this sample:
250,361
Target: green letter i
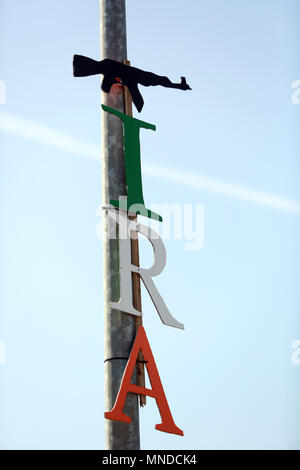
132,154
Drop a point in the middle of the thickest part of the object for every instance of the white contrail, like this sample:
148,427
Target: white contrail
195,180
12,124
15,125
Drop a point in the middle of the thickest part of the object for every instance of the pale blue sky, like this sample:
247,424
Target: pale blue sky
228,377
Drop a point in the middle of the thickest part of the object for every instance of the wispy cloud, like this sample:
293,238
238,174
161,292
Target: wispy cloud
10,123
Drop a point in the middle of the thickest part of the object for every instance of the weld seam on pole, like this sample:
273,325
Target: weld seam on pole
122,358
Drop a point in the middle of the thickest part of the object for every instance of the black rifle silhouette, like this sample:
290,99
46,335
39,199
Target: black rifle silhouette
129,76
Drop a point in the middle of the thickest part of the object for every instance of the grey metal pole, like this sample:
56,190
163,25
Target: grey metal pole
119,327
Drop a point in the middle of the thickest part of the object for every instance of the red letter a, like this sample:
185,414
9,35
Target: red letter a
157,391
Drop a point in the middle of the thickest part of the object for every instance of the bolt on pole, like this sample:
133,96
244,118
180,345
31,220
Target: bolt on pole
119,327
